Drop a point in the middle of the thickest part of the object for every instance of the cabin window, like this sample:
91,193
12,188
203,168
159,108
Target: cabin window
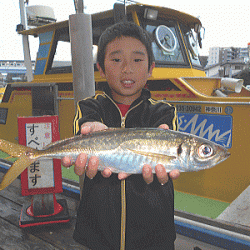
166,45
192,45
60,56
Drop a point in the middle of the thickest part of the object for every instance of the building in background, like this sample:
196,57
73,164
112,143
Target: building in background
227,61
214,56
233,67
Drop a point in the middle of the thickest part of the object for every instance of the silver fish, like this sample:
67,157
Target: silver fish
124,150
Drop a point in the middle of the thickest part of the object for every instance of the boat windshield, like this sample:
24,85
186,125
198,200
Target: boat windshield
166,46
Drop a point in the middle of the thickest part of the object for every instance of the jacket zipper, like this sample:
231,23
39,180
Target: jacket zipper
123,118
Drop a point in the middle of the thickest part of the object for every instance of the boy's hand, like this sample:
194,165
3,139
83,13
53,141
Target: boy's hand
81,161
161,174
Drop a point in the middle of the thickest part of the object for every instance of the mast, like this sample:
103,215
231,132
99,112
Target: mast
26,48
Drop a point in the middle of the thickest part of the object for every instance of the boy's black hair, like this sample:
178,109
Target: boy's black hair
127,29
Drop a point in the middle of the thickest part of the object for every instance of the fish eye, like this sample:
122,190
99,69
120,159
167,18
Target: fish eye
205,151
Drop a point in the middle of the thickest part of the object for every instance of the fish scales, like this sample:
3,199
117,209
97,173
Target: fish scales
125,150
106,148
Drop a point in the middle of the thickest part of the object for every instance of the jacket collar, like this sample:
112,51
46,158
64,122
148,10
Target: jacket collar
145,95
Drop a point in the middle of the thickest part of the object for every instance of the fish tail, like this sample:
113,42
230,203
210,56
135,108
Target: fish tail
13,149
26,158
15,170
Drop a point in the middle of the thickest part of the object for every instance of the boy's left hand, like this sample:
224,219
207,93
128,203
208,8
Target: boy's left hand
160,171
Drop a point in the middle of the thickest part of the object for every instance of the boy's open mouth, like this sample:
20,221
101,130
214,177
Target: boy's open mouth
127,83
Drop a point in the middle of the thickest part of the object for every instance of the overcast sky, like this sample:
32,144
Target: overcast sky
225,24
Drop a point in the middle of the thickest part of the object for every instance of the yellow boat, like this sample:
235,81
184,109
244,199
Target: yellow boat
213,108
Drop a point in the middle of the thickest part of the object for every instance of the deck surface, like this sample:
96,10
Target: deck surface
239,210
56,236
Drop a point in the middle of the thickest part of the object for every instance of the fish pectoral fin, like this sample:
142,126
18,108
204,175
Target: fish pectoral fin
154,156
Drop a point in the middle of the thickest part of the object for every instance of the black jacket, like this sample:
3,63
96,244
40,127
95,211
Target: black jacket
149,208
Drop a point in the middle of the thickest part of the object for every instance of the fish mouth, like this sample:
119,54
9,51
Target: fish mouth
227,154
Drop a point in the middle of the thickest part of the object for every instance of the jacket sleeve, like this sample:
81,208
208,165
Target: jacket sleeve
88,110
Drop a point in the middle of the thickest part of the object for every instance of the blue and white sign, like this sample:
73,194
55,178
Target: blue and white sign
216,128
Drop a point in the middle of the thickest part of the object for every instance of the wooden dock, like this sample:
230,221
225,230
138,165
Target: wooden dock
12,237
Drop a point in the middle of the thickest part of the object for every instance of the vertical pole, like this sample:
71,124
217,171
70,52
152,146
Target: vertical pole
26,48
80,29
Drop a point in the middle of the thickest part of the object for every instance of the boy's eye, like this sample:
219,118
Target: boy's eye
119,60
116,60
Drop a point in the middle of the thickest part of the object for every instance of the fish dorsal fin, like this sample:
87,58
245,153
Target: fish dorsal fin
132,146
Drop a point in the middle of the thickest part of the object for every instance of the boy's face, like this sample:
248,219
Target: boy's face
126,68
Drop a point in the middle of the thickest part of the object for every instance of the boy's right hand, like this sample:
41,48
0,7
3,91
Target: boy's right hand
81,161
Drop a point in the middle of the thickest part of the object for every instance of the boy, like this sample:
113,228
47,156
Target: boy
126,60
